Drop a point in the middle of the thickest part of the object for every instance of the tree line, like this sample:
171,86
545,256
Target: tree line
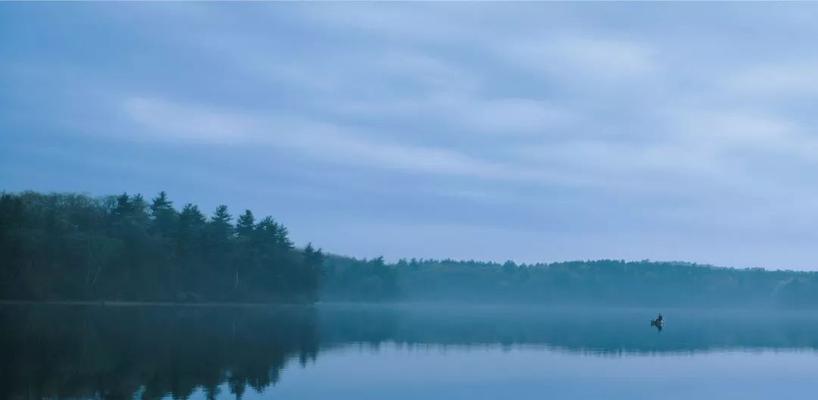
72,246
594,283
76,247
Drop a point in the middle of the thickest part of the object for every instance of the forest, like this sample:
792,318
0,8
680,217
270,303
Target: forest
576,283
75,247
126,248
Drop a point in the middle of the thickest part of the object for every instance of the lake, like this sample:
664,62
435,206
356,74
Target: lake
402,352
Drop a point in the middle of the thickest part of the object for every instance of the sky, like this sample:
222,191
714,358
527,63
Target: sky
522,131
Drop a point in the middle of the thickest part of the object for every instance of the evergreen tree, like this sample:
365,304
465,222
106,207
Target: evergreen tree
163,215
245,232
245,224
66,246
220,223
219,247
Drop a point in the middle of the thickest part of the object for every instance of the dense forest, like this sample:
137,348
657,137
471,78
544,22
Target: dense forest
602,282
75,247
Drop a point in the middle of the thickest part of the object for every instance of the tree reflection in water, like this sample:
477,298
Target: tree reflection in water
119,352
115,352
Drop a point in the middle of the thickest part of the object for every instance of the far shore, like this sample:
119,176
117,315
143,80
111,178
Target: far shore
439,307
118,303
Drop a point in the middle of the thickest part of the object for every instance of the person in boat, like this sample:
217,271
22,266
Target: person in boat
659,319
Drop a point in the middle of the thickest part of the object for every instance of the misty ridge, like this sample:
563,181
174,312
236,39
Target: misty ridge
73,247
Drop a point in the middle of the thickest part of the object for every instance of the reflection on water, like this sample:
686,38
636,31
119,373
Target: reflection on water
153,352
70,352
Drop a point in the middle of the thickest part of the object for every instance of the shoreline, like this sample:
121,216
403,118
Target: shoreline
120,303
440,307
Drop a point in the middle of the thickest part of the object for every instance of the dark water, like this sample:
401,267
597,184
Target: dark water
380,352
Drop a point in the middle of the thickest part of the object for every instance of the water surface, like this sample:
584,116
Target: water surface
402,352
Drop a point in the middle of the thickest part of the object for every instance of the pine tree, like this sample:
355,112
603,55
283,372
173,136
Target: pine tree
245,224
245,229
163,215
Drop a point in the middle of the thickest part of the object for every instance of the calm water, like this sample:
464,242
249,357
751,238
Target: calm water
429,352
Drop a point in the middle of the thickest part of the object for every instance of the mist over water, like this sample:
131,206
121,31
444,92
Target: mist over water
401,351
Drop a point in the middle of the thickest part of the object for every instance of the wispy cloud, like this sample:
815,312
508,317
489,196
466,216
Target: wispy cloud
162,120
777,81
605,120
168,121
581,58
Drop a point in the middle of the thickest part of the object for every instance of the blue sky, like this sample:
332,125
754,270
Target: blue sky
532,132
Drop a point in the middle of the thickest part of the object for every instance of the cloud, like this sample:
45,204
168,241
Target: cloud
422,22
515,116
695,144
631,122
432,73
162,120
748,136
165,120
776,80
580,57
505,116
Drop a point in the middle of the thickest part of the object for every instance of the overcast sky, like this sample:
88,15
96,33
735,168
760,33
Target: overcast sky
531,132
